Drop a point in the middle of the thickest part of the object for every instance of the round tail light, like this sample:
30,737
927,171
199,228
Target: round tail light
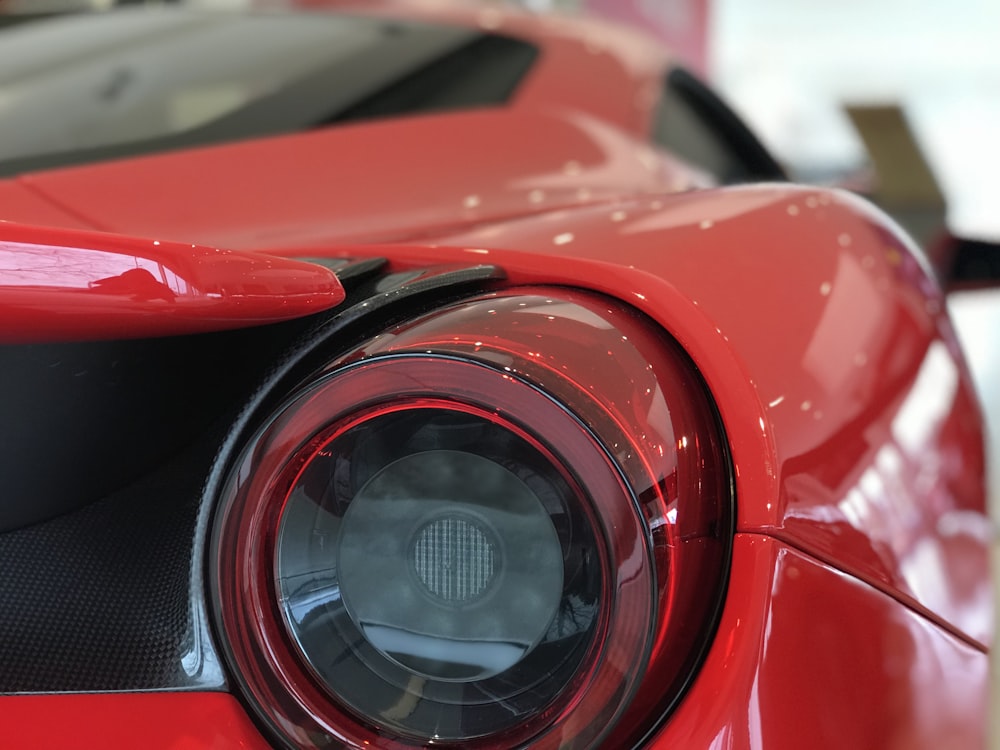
503,523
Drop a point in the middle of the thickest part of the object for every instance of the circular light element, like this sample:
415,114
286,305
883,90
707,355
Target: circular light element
432,550
444,561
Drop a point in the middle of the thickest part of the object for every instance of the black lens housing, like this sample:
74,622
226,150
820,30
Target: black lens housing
541,607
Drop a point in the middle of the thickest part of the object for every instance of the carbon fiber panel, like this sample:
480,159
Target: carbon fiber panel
100,599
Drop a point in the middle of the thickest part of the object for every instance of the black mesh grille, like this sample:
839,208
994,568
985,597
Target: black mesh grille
100,599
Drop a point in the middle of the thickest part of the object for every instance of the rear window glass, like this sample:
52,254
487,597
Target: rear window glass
82,88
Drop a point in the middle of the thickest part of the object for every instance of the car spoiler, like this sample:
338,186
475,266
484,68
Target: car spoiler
75,285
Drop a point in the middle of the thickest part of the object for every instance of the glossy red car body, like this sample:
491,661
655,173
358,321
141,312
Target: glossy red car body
858,608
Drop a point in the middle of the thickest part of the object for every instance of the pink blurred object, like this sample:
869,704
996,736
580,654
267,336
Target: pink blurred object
681,24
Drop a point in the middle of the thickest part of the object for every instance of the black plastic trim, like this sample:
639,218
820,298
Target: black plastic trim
755,159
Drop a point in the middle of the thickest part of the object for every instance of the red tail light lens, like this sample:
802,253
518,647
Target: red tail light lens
503,523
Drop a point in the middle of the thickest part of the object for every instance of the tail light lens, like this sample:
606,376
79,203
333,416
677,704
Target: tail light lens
504,523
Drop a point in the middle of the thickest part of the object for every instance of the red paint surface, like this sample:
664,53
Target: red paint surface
153,721
809,657
367,183
20,203
61,284
852,422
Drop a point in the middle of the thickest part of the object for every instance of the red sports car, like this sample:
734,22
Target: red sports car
478,381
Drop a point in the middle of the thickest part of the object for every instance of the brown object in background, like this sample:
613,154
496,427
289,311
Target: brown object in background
905,184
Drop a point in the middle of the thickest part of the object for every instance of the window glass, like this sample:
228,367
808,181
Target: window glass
85,87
